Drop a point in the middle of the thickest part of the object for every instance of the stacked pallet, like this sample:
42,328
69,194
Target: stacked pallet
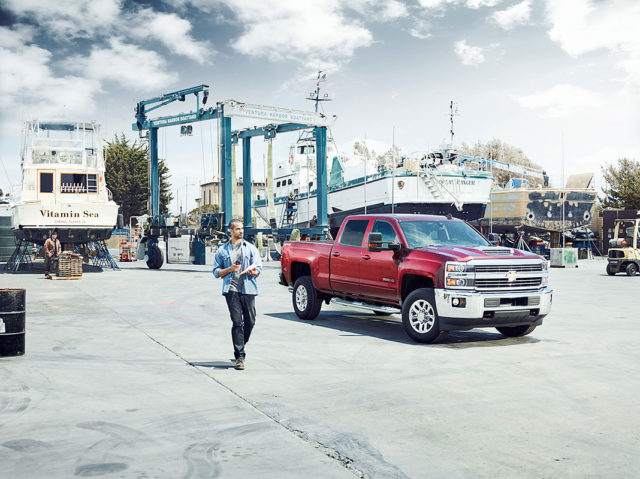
69,266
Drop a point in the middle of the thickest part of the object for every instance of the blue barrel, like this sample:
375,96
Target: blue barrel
12,322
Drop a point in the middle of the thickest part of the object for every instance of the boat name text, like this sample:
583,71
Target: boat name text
68,214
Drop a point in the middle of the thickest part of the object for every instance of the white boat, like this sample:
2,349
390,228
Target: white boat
424,183
63,184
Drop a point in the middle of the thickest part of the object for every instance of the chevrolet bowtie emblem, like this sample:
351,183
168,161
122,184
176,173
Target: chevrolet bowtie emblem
512,276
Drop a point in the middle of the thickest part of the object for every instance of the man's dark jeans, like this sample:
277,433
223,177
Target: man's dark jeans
242,309
47,263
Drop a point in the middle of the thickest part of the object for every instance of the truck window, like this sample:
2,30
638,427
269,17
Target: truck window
442,233
353,233
388,233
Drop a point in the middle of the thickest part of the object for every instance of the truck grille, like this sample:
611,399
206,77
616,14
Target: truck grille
491,268
505,284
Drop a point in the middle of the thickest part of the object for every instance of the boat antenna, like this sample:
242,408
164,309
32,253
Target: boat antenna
315,95
451,113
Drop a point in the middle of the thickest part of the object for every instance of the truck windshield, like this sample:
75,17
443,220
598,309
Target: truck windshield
440,233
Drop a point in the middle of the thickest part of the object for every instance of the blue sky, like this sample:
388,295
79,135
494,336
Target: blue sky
528,72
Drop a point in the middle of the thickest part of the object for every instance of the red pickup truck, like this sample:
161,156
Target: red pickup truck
437,271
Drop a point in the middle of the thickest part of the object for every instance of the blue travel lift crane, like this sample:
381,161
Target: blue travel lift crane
282,121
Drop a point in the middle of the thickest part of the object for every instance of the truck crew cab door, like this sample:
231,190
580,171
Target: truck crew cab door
344,262
378,270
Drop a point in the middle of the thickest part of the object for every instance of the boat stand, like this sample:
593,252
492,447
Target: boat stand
98,254
21,255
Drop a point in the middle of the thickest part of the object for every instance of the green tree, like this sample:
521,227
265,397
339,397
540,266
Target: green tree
498,150
622,189
127,176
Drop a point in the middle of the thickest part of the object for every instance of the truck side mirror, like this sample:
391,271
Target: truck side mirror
394,246
374,242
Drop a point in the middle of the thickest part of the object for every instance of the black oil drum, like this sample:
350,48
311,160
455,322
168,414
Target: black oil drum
12,322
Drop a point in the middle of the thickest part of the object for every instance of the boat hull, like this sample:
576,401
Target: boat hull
539,210
75,222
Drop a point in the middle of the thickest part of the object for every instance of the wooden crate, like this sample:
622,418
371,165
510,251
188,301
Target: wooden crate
69,266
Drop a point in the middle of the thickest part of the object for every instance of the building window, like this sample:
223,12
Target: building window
210,197
46,182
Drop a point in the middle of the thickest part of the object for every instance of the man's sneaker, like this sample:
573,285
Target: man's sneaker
239,364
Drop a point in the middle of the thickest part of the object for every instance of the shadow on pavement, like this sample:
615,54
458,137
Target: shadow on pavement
390,329
213,364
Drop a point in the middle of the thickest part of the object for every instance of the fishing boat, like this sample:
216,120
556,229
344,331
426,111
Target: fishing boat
437,182
520,206
63,184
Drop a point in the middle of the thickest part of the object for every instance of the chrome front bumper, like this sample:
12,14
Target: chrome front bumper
499,308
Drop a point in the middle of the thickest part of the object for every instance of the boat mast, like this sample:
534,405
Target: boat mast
315,95
451,120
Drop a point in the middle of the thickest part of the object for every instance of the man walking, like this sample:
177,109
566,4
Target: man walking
51,251
238,263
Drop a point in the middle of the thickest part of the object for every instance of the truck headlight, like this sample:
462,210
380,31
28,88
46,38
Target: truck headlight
459,275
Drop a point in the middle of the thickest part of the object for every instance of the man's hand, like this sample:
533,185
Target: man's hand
253,271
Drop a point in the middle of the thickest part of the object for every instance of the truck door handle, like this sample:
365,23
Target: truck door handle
366,256
336,253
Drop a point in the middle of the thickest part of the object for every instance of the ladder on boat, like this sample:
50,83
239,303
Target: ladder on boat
438,189
289,214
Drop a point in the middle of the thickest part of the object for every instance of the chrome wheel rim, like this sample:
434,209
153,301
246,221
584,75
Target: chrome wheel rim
422,316
301,298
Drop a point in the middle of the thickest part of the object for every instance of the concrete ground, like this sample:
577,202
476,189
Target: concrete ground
128,374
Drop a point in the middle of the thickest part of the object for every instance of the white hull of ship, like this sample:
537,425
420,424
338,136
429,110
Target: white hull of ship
405,190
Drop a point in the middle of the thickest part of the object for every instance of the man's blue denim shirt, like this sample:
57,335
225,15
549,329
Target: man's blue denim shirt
250,255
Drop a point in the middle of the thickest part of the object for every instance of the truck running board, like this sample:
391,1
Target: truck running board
369,307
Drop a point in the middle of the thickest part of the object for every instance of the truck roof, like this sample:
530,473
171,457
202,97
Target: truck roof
406,217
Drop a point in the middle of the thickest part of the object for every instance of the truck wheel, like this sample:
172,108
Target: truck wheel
631,269
610,270
420,317
156,260
306,302
515,331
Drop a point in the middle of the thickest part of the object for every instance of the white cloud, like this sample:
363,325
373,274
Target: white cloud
126,64
582,26
561,100
518,14
379,10
469,55
436,4
314,33
474,4
421,29
68,18
27,83
172,31
442,4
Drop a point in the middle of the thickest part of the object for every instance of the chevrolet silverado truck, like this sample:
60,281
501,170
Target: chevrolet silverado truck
437,271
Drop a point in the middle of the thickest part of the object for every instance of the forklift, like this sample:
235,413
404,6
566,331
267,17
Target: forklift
624,248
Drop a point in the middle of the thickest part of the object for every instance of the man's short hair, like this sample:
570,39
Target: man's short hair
234,220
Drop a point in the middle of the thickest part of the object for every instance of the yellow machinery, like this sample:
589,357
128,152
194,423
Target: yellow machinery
624,248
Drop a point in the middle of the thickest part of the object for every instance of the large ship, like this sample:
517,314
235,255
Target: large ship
522,207
438,182
63,184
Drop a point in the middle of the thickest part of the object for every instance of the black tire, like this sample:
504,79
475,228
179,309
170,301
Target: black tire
305,298
610,270
420,317
631,269
515,331
156,261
